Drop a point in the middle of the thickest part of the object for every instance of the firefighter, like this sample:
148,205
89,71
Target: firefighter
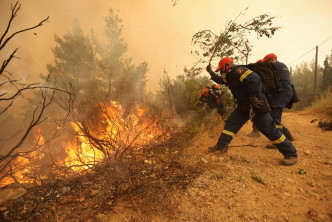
246,87
255,131
212,97
282,98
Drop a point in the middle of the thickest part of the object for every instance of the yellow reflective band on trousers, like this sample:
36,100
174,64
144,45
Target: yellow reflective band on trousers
279,126
280,140
244,75
228,133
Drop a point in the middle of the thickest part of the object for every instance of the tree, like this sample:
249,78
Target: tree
75,59
327,73
14,92
166,89
126,82
112,51
303,79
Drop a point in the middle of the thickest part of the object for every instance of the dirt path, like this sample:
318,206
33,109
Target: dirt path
227,191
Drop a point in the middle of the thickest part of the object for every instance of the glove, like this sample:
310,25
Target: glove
208,68
257,103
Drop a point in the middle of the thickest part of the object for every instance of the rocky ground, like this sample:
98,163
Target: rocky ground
190,184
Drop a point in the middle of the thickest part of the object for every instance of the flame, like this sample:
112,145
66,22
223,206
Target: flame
118,132
122,132
22,168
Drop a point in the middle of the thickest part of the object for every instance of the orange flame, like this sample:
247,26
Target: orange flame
118,132
123,133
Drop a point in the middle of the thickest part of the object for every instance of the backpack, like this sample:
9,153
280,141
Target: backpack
268,74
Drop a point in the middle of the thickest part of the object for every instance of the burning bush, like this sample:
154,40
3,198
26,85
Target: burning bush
105,134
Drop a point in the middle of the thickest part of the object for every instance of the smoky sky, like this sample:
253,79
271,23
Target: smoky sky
160,33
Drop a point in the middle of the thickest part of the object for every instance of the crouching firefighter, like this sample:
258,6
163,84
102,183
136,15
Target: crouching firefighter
211,96
246,87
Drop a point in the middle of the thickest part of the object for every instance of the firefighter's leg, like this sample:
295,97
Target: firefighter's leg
232,125
266,125
276,115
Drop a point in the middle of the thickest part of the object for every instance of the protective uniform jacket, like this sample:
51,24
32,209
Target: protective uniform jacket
285,93
242,82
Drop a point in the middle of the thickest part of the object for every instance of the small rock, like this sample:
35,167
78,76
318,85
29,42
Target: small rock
204,160
148,162
3,208
316,195
94,192
328,162
307,152
202,193
110,203
81,199
11,194
65,190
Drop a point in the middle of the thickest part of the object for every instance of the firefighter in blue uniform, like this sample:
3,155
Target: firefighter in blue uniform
246,87
212,97
282,98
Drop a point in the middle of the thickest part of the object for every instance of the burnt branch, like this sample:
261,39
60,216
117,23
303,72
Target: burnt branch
5,63
15,10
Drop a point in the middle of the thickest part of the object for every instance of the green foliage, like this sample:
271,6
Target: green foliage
303,79
182,94
327,73
325,124
99,70
233,40
245,160
75,60
302,171
258,178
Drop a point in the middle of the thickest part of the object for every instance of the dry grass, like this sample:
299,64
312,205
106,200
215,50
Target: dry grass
323,104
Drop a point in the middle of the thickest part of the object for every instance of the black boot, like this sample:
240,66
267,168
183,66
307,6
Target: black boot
271,146
289,160
220,148
254,133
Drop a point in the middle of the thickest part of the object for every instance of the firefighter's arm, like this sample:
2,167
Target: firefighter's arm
214,76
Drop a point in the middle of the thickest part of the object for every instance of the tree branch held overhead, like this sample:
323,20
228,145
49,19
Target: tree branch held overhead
233,41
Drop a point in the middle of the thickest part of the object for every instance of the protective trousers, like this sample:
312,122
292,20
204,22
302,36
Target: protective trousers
276,115
264,123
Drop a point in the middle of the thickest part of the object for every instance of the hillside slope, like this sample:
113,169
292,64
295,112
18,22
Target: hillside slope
190,184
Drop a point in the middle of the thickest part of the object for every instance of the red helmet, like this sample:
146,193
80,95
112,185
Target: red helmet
269,56
223,61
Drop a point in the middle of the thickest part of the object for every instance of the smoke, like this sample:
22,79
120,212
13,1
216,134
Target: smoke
158,32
